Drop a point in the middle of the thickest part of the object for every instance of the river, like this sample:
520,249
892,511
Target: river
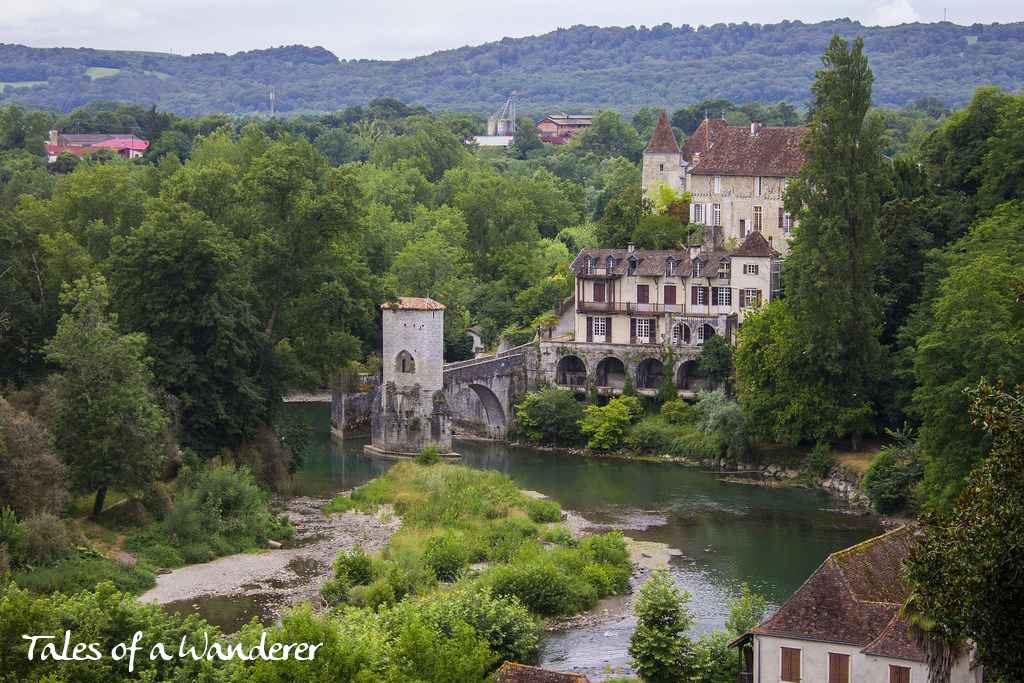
770,538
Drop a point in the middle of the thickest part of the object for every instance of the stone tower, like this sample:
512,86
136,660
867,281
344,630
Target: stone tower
663,160
412,412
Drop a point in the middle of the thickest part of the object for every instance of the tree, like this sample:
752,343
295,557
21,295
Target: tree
965,569
661,650
746,611
621,217
550,416
659,232
609,136
716,359
106,425
606,425
526,138
836,246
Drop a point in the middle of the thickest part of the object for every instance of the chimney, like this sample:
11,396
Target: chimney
630,248
755,126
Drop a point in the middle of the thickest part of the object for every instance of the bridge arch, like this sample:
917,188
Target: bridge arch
571,371
689,377
610,373
492,406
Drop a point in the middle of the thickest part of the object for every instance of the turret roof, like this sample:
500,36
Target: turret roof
663,140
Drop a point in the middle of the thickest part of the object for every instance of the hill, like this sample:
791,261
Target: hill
582,68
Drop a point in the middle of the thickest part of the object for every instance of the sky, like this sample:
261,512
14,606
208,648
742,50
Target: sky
397,29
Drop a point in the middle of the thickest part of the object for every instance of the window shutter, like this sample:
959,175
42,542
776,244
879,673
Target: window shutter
738,296
654,330
670,295
608,329
838,668
705,294
714,296
632,330
782,213
790,665
693,296
590,329
756,269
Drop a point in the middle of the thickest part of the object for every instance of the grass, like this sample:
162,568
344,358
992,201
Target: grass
455,517
84,571
95,72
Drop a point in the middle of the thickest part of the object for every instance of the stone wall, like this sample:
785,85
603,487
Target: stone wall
350,413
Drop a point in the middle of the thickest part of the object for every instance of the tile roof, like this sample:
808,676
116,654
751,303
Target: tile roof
649,261
663,139
412,303
755,246
734,151
521,673
703,139
854,598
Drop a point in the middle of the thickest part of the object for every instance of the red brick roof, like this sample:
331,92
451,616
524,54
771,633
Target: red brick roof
734,151
521,673
755,246
663,140
703,139
412,303
853,598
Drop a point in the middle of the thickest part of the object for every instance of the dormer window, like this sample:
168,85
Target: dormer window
609,263
631,266
670,266
724,268
588,265
698,268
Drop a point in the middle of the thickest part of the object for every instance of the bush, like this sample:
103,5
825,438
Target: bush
156,500
821,459
659,646
354,566
86,572
560,535
893,477
428,456
13,536
609,547
651,436
543,511
47,539
607,425
446,556
550,416
544,589
667,392
720,416
33,480
678,412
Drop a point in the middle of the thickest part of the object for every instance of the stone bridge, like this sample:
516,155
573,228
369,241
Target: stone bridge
480,392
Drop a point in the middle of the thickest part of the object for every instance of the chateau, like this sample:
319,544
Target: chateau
735,175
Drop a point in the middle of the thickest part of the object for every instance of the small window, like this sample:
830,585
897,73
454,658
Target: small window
757,186
718,184
716,214
631,267
588,265
787,221
724,296
724,268
743,227
758,218
609,262
670,266
698,213
751,297
698,268
790,657
899,674
661,167
750,269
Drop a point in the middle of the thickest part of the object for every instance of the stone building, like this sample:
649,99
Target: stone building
735,175
412,412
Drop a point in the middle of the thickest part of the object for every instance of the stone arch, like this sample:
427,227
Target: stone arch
571,371
705,332
650,374
610,373
492,406
681,334
689,377
404,362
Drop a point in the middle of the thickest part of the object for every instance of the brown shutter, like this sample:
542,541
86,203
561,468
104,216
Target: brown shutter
756,269
608,329
643,294
714,296
654,331
706,295
590,329
670,295
693,296
599,291
838,668
632,330
899,674
790,665
782,212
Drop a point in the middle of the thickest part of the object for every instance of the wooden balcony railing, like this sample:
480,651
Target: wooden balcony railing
628,307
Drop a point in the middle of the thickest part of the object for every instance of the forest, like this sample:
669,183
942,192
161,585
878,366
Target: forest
576,69
154,312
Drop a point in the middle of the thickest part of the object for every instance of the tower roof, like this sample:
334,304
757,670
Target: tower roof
663,140
413,303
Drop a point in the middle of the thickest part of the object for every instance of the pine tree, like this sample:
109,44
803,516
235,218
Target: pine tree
835,249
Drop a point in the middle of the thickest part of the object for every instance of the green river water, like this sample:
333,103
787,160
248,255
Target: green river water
728,533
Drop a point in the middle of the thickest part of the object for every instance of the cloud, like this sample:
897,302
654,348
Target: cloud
893,12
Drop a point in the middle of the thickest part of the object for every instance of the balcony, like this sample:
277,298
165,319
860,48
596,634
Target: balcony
628,308
595,271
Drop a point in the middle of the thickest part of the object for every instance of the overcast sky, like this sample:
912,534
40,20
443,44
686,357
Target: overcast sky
394,29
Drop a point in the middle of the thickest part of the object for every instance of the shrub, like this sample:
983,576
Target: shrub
86,572
47,539
820,459
560,535
550,416
156,500
446,556
428,456
677,412
745,611
13,535
650,436
893,477
667,392
544,589
380,594
720,416
543,511
502,621
354,565
33,480
659,646
609,547
607,425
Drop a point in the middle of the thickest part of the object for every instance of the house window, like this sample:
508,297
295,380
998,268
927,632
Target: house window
743,228
790,664
600,329
600,289
698,213
723,295
609,263
751,297
698,268
670,295
588,265
899,674
723,268
716,214
700,297
787,221
643,294
750,269
661,167
718,184
838,668
631,267
758,219
643,330
757,186
670,266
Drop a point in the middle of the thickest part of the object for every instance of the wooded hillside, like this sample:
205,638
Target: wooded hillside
581,68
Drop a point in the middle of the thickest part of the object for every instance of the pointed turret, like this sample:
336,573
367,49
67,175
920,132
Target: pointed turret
663,141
